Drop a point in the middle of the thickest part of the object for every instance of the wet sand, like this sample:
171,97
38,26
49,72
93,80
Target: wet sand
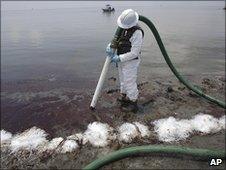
61,111
49,74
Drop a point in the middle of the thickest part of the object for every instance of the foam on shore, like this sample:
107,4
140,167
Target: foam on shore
172,129
101,134
5,136
29,140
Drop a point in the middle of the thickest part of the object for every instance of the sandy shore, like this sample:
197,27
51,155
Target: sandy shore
63,111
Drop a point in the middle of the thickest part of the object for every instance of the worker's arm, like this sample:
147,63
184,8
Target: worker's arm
136,43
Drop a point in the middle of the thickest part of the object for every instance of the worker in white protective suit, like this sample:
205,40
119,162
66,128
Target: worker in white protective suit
128,58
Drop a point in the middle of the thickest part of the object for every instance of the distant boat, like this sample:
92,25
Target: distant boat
108,8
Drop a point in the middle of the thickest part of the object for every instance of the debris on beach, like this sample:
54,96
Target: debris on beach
29,139
205,123
172,129
69,146
127,132
100,134
5,136
54,143
144,131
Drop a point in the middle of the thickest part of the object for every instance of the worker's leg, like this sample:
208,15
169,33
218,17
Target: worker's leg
129,71
130,79
121,79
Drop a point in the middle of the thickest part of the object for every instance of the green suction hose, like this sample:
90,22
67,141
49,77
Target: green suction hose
168,61
204,154
173,69
123,153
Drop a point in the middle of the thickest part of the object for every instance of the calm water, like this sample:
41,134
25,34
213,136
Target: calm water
58,41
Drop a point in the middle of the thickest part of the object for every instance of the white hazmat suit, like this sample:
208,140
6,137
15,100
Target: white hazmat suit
128,67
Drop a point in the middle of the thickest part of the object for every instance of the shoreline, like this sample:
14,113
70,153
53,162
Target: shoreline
62,112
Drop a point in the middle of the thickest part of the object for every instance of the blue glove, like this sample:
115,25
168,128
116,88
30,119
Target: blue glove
109,50
115,59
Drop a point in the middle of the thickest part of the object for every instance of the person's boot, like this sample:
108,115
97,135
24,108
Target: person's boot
122,97
131,106
123,100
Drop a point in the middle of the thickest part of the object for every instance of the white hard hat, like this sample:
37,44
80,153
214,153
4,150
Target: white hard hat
128,19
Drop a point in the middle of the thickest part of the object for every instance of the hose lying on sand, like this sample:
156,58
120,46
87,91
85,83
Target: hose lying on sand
201,153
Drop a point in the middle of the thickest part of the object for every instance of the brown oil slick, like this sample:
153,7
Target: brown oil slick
56,110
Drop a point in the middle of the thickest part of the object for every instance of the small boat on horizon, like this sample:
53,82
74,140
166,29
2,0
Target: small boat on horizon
108,8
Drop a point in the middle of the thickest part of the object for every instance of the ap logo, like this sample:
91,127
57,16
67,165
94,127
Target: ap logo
215,162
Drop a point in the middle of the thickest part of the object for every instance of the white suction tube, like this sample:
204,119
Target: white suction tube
100,83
